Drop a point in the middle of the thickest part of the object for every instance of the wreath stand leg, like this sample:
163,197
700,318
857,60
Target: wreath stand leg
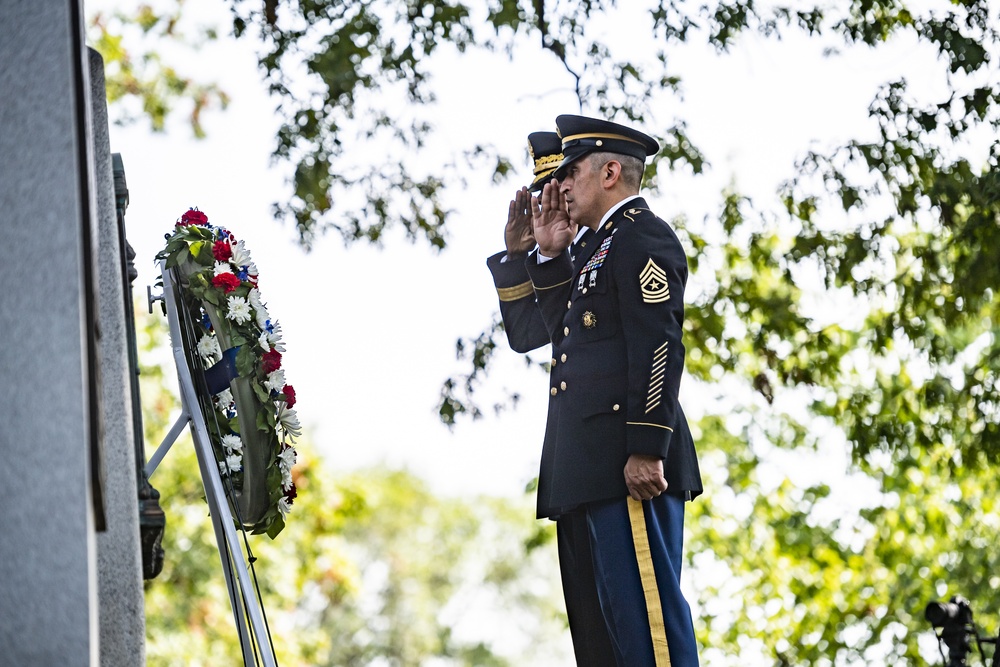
256,644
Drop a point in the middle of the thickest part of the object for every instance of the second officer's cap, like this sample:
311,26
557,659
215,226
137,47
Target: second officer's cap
582,135
545,149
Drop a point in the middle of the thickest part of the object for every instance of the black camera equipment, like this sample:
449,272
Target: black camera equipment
953,619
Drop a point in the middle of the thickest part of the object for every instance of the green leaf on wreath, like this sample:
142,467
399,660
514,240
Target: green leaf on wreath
262,420
276,527
202,251
180,256
211,296
261,392
234,425
245,361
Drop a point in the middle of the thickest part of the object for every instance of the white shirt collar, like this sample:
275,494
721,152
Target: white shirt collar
614,208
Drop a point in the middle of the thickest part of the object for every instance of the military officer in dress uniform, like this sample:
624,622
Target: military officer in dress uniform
525,332
618,460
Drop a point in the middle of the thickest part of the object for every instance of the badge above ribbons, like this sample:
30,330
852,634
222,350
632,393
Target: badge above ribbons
653,283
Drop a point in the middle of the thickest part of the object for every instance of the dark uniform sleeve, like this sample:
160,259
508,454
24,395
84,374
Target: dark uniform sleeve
650,273
552,287
521,319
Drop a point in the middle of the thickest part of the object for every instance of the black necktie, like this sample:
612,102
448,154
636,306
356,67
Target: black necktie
581,243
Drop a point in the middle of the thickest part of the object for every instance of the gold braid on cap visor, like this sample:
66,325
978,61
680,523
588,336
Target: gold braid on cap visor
547,162
599,135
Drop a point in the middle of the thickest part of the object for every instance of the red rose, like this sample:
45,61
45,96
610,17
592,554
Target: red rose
222,251
271,361
193,217
289,392
227,282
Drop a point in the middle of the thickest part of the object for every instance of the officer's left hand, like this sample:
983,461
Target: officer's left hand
644,476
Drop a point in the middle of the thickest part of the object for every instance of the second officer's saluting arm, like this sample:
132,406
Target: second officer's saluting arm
521,319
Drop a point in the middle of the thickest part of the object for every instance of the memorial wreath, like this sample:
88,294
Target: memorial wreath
254,424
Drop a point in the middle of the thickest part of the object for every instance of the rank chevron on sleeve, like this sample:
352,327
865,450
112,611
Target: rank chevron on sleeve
653,283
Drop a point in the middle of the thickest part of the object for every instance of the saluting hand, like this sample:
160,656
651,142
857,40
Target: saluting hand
518,234
554,231
644,476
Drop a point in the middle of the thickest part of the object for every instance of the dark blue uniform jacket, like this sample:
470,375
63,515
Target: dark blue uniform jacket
615,319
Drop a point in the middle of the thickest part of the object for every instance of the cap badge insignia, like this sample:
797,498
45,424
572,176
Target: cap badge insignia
653,283
589,320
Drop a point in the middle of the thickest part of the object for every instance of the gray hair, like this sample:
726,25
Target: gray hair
632,167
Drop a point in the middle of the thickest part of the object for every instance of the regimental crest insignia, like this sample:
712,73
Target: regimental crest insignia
589,320
653,283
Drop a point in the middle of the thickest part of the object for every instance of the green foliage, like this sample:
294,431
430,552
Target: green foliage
819,580
143,85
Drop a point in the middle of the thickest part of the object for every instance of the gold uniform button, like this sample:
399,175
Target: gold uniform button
565,331
584,290
553,361
562,385
554,391
569,304
563,358
616,407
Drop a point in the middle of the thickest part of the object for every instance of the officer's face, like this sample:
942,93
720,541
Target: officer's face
582,188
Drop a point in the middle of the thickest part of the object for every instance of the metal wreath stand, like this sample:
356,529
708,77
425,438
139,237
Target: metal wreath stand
244,593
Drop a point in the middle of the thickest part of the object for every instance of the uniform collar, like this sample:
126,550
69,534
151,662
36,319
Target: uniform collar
611,211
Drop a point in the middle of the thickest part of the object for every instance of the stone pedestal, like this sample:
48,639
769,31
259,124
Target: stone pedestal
70,570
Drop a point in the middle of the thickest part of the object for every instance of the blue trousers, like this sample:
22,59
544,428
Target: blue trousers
635,564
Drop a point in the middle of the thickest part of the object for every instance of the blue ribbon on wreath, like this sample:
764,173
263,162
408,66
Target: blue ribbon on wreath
223,372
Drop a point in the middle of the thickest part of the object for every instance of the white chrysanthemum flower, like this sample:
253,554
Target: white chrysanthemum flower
222,267
232,443
241,256
286,480
274,337
290,425
275,380
255,300
264,341
224,398
223,468
284,506
262,317
287,458
208,347
239,309
234,462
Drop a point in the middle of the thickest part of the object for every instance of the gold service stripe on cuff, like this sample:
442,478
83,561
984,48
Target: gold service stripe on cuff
657,628
556,285
516,292
648,424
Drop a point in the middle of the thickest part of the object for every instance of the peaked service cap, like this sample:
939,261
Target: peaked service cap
545,149
581,136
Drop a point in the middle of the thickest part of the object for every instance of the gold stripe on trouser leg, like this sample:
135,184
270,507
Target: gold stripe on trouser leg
657,629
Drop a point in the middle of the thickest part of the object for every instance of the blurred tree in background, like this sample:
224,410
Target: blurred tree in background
372,568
